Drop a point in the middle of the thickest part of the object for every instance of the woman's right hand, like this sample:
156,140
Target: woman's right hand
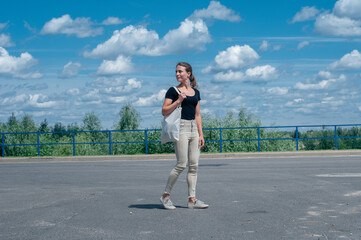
181,97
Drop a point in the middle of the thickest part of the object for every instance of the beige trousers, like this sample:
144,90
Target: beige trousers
187,151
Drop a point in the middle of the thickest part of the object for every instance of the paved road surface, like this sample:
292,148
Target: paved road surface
250,198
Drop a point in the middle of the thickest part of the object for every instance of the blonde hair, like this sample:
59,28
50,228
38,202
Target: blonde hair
192,78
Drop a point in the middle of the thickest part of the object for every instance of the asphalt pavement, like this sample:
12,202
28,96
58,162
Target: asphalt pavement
259,197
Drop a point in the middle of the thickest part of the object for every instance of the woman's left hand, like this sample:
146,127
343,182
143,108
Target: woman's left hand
201,142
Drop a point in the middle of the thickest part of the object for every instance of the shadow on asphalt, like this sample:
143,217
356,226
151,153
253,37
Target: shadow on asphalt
213,165
150,206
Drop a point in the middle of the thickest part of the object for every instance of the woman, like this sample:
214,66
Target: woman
191,139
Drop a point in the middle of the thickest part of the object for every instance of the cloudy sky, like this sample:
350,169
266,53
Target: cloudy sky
288,62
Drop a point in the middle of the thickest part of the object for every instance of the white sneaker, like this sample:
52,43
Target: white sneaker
197,204
167,203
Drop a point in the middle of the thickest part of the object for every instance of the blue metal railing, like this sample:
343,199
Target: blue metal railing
146,141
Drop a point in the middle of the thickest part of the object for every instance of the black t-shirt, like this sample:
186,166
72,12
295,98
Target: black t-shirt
188,105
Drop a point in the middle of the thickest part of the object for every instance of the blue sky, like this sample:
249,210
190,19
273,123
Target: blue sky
288,62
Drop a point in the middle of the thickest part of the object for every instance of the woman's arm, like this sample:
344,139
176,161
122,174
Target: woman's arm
199,125
168,106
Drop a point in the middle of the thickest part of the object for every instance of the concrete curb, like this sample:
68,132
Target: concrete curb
330,153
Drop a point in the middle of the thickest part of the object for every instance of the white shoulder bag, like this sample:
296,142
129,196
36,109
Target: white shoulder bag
171,124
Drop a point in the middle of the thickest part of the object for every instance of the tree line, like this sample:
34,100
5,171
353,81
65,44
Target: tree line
88,142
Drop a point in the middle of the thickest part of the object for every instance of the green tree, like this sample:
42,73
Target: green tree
247,119
2,130
58,130
91,122
73,127
27,124
45,150
44,126
129,118
12,124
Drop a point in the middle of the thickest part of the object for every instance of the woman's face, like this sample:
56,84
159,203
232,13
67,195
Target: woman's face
181,74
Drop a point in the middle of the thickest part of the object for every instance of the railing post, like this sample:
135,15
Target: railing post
146,141
297,138
38,136
110,142
336,137
3,144
220,140
73,143
259,142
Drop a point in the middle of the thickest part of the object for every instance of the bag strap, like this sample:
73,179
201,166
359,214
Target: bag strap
178,94
176,89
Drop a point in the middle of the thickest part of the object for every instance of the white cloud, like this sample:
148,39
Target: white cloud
14,99
118,99
115,85
29,75
3,25
348,8
295,102
5,40
323,84
42,113
264,46
323,75
40,101
81,27
92,96
277,91
30,28
347,62
137,40
359,108
306,14
191,35
215,95
217,11
73,92
132,84
329,24
17,66
235,101
35,101
70,70
130,40
234,57
344,20
299,105
261,73
332,102
229,76
122,65
302,44
227,65
255,75
208,111
112,21
155,99
306,109
277,47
